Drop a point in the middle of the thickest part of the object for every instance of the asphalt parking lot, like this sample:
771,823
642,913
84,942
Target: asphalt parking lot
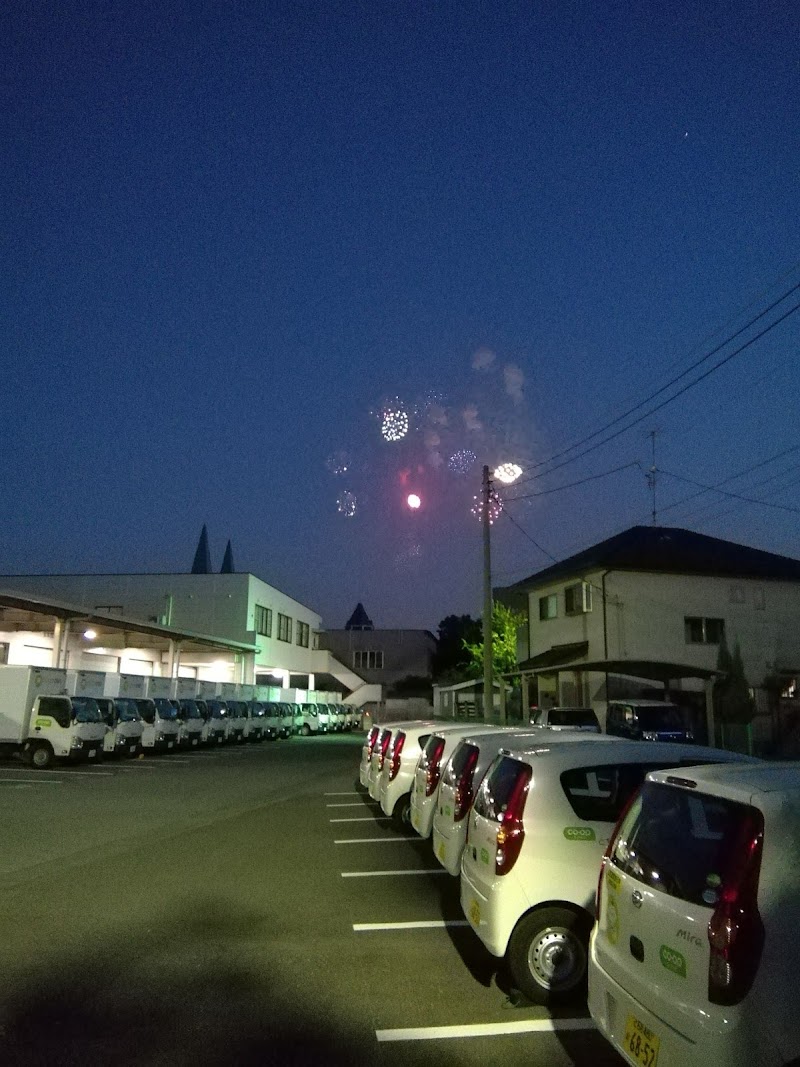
243,905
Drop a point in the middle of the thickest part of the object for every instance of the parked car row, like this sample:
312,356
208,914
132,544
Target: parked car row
687,944
637,720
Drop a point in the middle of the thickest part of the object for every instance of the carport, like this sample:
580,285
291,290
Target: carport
60,620
568,657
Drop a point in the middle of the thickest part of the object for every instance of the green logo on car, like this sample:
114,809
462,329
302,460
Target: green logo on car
579,833
484,855
673,961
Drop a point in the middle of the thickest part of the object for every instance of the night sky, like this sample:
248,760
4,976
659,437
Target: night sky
235,235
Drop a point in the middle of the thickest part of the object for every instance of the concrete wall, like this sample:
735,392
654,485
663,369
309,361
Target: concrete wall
405,652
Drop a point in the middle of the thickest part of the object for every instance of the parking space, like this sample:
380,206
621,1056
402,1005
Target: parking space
266,871
434,986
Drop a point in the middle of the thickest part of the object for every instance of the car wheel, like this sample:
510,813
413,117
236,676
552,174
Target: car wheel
547,955
401,816
306,730
40,756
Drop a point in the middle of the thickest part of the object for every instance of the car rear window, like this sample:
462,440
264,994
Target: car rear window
499,786
666,718
680,843
573,717
460,760
599,794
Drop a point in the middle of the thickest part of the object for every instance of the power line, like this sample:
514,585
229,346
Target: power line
669,384
732,477
734,496
680,392
571,485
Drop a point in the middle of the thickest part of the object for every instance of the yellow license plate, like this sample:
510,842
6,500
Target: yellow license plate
415,821
640,1043
475,913
441,850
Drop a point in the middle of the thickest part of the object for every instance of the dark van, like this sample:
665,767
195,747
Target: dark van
647,720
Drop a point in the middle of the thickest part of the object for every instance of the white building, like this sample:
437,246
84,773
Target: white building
273,638
644,612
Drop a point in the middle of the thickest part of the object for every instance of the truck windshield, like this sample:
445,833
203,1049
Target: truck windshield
189,710
147,709
85,709
106,706
217,709
127,710
166,709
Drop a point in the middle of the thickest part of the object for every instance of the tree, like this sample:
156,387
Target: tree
451,660
732,700
505,623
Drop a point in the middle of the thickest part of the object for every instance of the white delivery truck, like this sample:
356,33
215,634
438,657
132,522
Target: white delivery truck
40,720
124,725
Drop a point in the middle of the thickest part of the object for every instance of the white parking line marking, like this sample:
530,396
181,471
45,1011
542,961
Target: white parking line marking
365,818
371,840
389,874
70,774
426,924
349,793
521,1026
355,804
33,781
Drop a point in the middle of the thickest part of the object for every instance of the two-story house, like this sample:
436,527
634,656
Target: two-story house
643,614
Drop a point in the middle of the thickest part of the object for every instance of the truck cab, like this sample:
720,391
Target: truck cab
161,726
190,717
124,726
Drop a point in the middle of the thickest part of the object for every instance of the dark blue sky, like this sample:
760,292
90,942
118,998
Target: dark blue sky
233,232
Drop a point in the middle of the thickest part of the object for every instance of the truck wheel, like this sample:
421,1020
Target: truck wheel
306,729
547,955
40,756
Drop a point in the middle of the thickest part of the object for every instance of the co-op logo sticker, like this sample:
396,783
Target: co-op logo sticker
673,961
579,833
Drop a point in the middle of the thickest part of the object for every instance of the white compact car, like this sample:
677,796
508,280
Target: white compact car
693,959
537,830
428,772
367,750
462,775
380,749
397,775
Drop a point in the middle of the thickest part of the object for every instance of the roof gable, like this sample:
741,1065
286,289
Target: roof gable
664,550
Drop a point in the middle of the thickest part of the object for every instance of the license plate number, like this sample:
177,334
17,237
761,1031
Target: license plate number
131,748
441,850
92,753
640,1043
474,913
170,744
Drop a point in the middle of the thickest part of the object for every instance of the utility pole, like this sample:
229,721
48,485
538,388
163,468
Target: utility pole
651,476
488,688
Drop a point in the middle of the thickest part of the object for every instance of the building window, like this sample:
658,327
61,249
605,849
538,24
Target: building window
284,628
578,598
701,631
548,606
303,631
263,621
368,660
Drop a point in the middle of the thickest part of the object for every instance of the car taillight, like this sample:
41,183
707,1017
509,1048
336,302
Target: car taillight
463,794
432,770
735,930
610,848
397,748
384,745
372,737
511,832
